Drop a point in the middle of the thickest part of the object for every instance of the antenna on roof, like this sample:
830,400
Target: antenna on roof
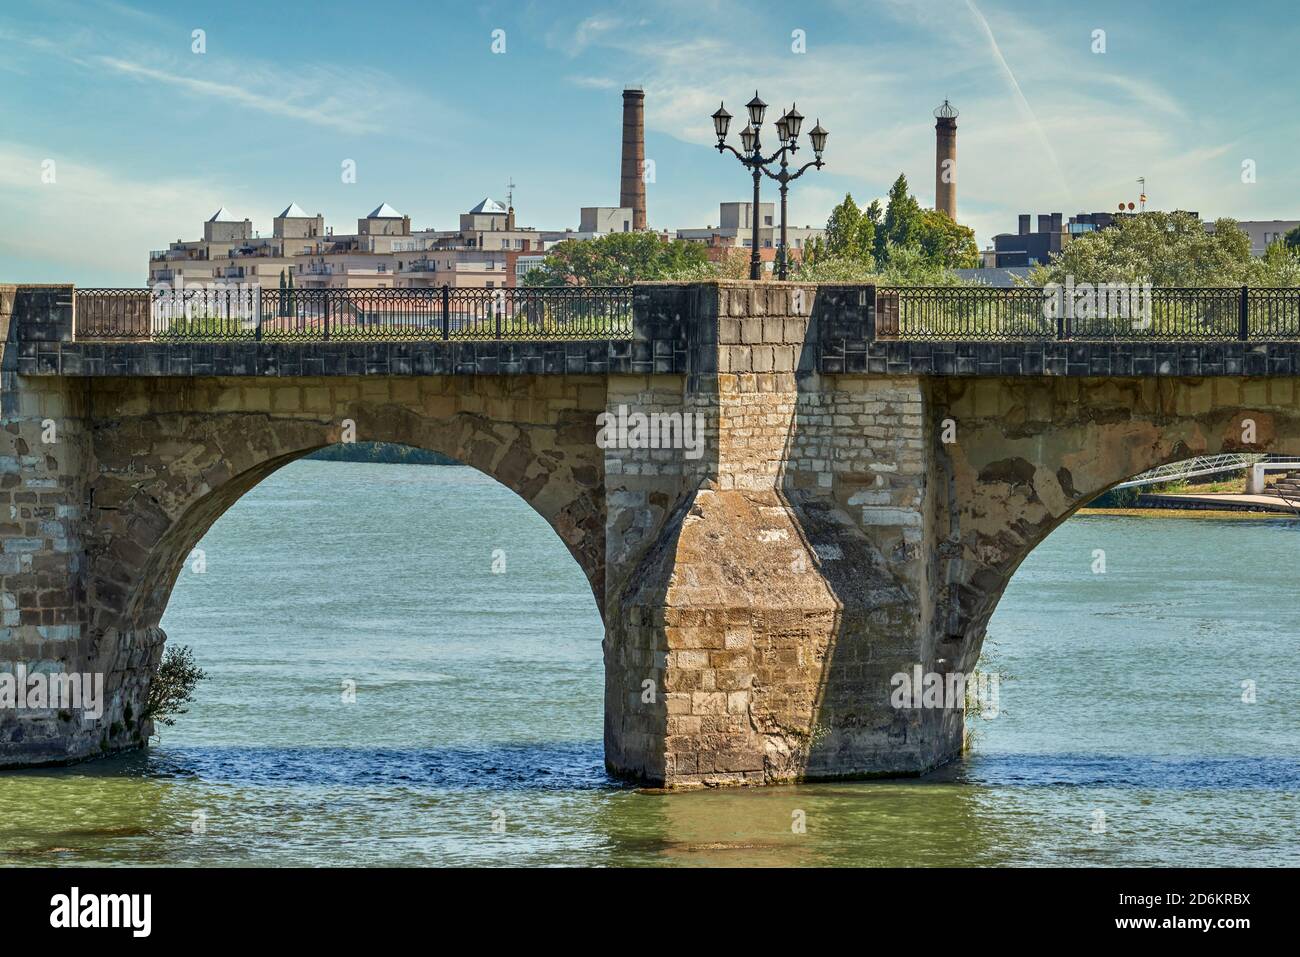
510,191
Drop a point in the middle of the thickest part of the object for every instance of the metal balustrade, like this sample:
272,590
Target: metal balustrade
228,313
1086,313
1081,313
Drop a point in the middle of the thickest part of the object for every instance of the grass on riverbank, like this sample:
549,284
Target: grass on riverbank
1185,513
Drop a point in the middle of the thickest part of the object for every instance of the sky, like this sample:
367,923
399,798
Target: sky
118,136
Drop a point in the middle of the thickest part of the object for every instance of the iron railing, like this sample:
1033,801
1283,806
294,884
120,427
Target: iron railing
1029,313
239,312
530,313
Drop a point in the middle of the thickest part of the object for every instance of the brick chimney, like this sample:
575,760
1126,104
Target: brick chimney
945,160
632,192
1023,224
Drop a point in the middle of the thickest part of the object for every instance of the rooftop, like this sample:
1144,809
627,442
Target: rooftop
488,205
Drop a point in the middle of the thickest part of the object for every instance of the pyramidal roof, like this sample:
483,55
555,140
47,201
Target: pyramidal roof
224,215
488,205
293,211
384,211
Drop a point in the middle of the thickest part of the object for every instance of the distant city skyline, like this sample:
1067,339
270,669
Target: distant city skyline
145,138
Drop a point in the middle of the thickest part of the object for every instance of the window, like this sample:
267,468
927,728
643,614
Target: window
767,220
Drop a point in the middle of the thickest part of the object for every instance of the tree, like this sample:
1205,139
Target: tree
849,233
733,265
832,269
1278,267
947,243
1166,249
902,223
1292,240
912,266
904,245
616,260
173,686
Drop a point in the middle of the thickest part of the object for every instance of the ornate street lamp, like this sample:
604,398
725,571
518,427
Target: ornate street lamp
752,158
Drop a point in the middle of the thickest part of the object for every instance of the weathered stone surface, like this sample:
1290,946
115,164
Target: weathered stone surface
759,589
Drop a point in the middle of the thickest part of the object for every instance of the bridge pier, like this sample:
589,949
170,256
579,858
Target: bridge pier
762,596
46,465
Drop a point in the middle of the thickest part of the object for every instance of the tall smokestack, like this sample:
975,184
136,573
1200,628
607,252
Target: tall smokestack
632,193
945,160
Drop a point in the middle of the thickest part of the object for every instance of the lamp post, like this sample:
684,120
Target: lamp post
752,158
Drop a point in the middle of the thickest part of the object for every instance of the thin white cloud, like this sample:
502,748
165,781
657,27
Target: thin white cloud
101,221
1023,103
330,113
1091,130
594,82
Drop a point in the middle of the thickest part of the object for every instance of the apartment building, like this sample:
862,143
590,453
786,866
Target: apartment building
1263,232
384,251
1032,247
735,231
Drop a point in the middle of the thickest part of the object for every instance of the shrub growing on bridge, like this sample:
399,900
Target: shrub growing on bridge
173,686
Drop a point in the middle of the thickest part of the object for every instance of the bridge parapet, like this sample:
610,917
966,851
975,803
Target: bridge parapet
856,329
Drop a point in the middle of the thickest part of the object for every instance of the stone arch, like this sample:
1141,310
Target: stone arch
162,478
1032,452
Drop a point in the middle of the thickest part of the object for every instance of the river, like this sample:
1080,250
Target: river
1121,739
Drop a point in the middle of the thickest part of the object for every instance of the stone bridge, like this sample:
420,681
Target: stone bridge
856,509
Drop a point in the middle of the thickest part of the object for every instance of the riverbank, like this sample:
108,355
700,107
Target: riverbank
1185,513
1218,502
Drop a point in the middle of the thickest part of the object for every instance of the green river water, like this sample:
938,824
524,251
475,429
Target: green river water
475,735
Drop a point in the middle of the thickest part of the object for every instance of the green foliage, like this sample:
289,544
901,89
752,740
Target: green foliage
734,265
1117,498
207,327
913,266
850,234
908,266
385,452
1168,250
173,686
617,260
1279,266
947,243
903,246
903,220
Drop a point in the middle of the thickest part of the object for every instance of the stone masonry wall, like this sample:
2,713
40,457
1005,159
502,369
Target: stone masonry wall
770,587
106,485
1029,452
43,473
758,597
